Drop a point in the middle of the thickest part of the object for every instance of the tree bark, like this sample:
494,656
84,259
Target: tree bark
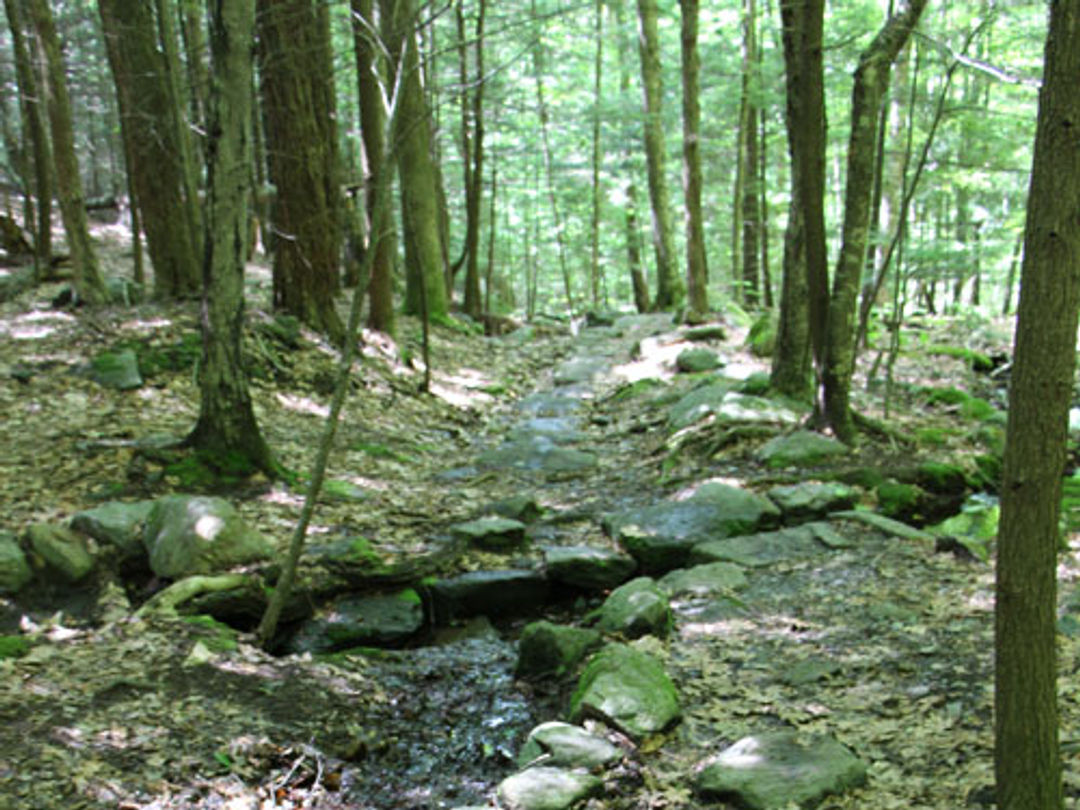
595,277
670,289
867,97
697,273
804,292
226,425
89,283
472,129
425,256
372,126
151,126
33,118
1027,761
301,145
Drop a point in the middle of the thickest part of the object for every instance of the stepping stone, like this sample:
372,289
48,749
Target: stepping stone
636,609
887,525
697,359
703,580
357,621
706,332
567,746
627,689
510,592
759,550
779,769
588,567
547,789
661,536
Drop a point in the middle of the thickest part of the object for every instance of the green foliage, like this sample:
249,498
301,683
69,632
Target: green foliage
969,407
13,646
933,436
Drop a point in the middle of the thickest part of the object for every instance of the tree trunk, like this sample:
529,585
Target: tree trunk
88,281
151,126
425,282
549,169
472,129
226,425
34,129
372,126
804,292
301,145
751,214
867,97
594,223
697,273
630,220
670,289
1027,761
191,29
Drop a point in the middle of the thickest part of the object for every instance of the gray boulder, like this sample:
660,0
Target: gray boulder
812,499
116,524
704,580
547,789
627,689
760,550
660,536
553,649
356,621
14,569
60,551
638,608
588,567
188,534
491,532
803,448
780,769
566,746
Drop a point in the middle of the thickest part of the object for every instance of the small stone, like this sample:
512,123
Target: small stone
547,789
567,746
706,332
116,524
811,499
119,370
14,569
697,359
508,592
636,609
803,448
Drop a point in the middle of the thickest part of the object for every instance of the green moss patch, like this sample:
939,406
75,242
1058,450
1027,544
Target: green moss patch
14,646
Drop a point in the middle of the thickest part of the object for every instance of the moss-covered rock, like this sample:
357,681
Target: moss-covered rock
15,571
553,649
14,646
627,689
636,609
761,339
803,448
899,501
61,552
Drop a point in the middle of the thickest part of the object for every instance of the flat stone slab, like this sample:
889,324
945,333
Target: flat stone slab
588,567
803,448
698,359
536,452
547,789
116,524
567,746
661,536
759,550
629,690
705,579
778,770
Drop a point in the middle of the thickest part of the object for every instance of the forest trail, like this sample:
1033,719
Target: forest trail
875,640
